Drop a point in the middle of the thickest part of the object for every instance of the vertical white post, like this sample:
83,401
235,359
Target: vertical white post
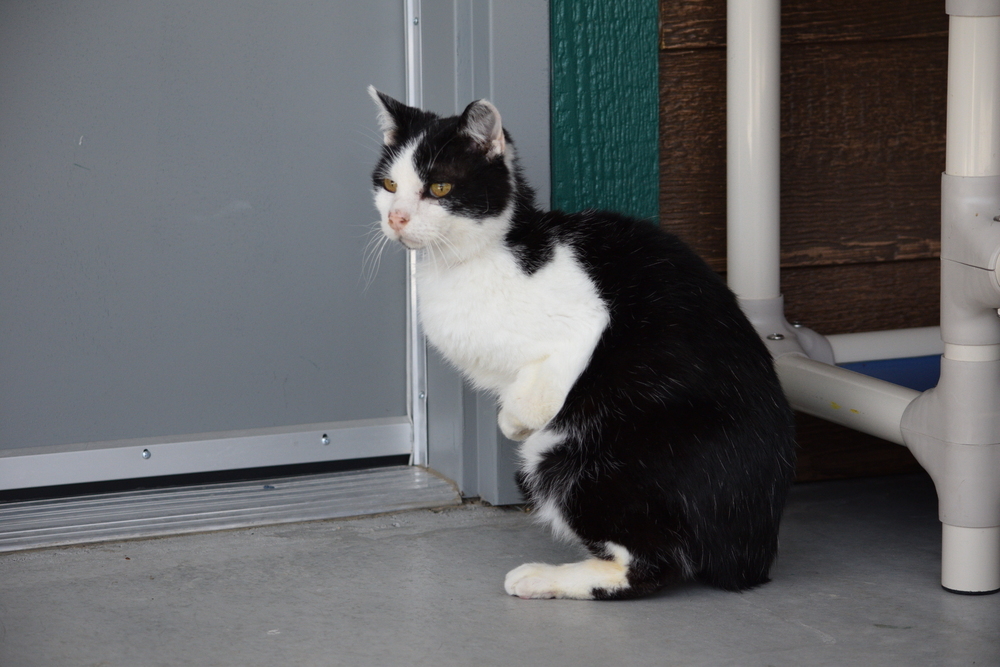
753,124
416,345
753,140
971,552
973,147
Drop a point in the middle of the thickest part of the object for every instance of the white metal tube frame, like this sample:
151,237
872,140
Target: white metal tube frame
416,345
953,429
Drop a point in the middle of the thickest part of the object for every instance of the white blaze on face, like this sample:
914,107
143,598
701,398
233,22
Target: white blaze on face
405,213
420,220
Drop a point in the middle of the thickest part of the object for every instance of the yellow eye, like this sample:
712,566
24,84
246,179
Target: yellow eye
389,184
440,189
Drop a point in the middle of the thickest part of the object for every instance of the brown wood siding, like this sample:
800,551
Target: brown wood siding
862,149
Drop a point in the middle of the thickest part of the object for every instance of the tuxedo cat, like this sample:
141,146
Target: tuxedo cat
653,429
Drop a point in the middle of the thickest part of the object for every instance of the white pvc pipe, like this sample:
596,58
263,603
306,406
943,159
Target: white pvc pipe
844,397
970,556
970,559
753,125
973,125
894,344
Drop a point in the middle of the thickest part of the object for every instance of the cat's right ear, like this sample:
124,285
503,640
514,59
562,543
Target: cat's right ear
389,115
481,122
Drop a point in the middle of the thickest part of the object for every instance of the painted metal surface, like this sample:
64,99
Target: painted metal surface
184,200
150,513
472,49
140,458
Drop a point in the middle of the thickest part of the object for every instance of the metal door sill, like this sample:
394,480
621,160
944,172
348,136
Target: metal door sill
158,512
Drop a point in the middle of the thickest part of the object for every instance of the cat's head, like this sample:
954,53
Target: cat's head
446,184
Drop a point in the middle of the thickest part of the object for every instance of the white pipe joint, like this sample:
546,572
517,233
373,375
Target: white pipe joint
954,432
768,317
970,247
954,429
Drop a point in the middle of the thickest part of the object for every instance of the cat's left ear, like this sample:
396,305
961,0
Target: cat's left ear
392,113
481,122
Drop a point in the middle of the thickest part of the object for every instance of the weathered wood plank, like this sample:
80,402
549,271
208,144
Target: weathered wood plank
862,157
693,150
861,160
696,24
863,297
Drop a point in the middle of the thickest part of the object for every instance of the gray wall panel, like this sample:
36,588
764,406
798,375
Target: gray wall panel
184,205
520,84
498,49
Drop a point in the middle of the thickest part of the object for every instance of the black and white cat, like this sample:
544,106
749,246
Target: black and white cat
654,429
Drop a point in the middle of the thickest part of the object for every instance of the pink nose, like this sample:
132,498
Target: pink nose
398,220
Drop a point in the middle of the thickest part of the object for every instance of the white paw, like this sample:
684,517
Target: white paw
535,409
526,409
532,581
575,581
512,427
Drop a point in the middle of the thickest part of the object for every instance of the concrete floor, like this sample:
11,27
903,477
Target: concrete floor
856,584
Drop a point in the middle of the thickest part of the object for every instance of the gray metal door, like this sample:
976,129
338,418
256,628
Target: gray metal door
184,209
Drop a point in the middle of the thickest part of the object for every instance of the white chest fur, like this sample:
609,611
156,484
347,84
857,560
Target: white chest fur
493,321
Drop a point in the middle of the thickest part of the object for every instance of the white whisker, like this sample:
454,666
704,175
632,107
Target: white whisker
372,135
372,258
450,245
377,151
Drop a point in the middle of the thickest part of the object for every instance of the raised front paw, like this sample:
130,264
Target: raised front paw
512,427
528,406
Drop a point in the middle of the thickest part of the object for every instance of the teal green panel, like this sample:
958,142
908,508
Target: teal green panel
605,111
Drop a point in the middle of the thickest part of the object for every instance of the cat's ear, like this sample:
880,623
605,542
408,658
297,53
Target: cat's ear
391,114
481,122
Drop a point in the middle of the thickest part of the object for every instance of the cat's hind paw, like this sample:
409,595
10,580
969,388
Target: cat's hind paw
529,582
576,581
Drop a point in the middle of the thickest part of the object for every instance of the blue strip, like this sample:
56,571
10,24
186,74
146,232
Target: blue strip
919,373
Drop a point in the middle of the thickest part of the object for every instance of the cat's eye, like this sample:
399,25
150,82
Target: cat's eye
440,189
389,184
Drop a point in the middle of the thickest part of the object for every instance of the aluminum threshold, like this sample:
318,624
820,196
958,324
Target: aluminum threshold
172,511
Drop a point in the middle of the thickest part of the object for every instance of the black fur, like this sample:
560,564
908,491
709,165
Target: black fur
680,441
